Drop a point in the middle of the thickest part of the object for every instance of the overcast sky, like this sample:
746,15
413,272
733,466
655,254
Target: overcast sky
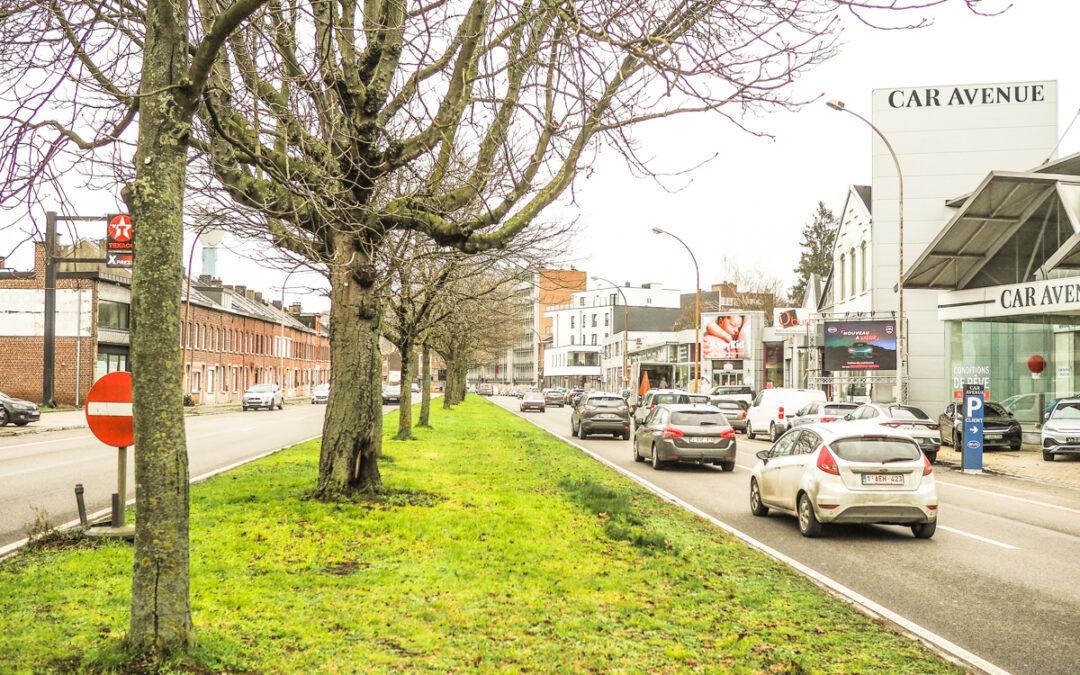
750,203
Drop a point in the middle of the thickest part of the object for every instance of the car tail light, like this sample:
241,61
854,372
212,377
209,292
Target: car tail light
826,462
624,408
727,433
781,412
827,419
590,407
932,427
672,432
893,425
928,468
742,415
651,406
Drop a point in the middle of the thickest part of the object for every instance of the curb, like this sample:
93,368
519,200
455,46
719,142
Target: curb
957,466
936,643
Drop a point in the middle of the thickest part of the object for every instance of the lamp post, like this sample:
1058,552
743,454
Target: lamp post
697,306
626,331
901,365
281,346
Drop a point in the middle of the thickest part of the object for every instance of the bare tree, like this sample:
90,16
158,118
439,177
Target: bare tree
76,74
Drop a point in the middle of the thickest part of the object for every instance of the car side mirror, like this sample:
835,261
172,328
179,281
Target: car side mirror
1046,417
847,417
763,455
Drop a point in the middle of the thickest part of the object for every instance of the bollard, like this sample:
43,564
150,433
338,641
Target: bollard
117,511
81,503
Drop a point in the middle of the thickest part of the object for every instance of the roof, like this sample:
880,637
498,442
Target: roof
1012,226
864,194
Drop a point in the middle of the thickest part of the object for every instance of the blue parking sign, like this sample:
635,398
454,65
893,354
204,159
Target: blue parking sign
974,404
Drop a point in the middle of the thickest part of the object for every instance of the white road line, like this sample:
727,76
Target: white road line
939,644
978,537
1006,496
55,440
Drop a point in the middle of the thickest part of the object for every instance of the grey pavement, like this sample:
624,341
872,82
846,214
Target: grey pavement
40,471
998,579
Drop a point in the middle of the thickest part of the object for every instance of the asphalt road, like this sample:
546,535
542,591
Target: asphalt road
39,471
1000,578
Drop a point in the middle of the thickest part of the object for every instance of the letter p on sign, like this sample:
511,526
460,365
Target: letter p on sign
972,405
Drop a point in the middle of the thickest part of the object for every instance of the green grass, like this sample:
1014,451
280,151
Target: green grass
497,547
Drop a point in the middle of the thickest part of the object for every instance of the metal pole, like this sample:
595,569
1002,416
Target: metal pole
48,364
901,332
626,330
697,305
121,486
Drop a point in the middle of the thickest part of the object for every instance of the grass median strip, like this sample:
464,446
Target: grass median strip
495,546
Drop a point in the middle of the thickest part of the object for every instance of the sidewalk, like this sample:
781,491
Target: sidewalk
76,419
1025,464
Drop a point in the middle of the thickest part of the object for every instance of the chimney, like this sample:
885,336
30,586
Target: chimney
258,296
242,290
249,294
295,309
276,304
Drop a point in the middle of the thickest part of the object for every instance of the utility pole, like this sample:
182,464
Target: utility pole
697,305
626,332
48,366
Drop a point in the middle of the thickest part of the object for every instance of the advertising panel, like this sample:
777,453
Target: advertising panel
790,320
726,336
120,242
860,345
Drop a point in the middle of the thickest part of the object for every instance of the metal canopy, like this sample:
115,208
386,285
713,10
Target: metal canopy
1014,226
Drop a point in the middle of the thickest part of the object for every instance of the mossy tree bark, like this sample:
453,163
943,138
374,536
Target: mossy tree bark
408,374
352,427
425,386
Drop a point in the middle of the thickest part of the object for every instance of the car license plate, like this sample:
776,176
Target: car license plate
609,417
700,440
1072,439
882,479
993,437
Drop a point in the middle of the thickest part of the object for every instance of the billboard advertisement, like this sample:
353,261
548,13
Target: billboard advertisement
790,320
860,345
726,336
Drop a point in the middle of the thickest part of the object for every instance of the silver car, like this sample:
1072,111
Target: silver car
849,473
821,411
320,394
907,418
267,396
685,433
1061,430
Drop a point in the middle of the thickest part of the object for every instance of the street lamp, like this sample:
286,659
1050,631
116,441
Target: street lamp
901,365
626,332
697,305
281,346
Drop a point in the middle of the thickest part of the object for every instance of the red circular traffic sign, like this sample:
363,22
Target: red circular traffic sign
120,228
108,409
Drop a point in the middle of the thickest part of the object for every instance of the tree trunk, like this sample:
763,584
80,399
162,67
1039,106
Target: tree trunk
425,386
160,595
352,427
408,372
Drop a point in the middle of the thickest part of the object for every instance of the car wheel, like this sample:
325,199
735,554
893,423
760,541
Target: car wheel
637,457
581,432
3,416
932,456
727,466
1047,456
958,443
773,433
924,530
657,465
757,507
626,435
750,431
808,522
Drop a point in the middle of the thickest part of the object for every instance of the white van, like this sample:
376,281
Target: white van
771,407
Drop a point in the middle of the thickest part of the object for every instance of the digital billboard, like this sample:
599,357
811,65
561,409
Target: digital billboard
790,320
726,336
860,345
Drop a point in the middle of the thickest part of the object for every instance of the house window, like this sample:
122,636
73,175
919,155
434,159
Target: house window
571,321
862,264
606,319
614,298
840,286
581,301
853,278
593,340
594,321
114,315
572,339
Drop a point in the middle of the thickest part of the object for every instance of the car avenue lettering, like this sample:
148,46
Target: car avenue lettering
957,96
1029,296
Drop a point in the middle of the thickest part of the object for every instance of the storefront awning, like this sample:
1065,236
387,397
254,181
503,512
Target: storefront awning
1016,226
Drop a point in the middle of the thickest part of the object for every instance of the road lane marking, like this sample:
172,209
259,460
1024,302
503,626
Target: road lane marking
1019,499
938,643
979,537
55,440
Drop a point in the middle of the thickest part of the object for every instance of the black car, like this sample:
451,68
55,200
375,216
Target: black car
1000,429
391,394
17,411
600,413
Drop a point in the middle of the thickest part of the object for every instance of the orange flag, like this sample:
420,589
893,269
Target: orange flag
644,388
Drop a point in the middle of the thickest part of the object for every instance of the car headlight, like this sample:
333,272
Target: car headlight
25,407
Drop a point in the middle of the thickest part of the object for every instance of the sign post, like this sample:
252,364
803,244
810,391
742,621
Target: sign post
974,404
109,416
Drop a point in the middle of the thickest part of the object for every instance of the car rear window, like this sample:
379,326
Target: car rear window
906,412
698,418
839,409
696,399
607,401
665,398
875,449
728,405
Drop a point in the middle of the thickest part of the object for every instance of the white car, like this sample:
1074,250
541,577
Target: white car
1061,430
846,473
768,414
267,396
320,394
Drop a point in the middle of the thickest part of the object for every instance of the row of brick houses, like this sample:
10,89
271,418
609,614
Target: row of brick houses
231,338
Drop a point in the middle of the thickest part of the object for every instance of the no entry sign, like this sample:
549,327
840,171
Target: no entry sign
108,410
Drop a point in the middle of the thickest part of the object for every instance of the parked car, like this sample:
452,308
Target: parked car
485,389
655,397
771,407
414,388
532,400
391,393
554,397
600,413
1061,430
267,396
734,411
17,411
570,394
732,392
576,394
320,394
846,473
685,433
821,411
906,418
1000,429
